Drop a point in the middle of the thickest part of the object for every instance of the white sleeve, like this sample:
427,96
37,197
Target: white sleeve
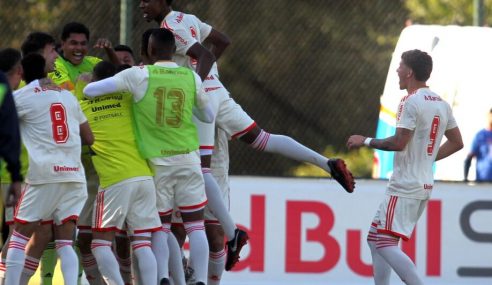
451,120
202,110
407,117
102,87
205,28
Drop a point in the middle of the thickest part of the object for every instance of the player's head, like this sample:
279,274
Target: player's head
124,54
10,64
155,10
144,46
161,45
34,67
415,65
42,43
75,42
103,70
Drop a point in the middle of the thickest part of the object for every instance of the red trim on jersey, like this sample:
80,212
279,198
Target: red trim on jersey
382,231
193,207
99,209
108,229
239,134
390,212
212,222
17,206
9,223
153,230
70,218
165,213
206,147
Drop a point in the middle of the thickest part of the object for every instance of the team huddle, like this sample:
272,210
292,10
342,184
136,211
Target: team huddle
136,157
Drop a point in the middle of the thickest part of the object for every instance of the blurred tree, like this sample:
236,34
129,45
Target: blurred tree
449,12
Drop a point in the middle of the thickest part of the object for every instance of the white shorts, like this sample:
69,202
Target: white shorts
180,185
223,182
59,202
232,118
85,219
8,211
398,216
131,201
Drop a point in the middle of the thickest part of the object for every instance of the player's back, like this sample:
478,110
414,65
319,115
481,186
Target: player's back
429,117
50,121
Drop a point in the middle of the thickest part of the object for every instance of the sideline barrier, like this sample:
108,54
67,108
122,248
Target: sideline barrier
310,231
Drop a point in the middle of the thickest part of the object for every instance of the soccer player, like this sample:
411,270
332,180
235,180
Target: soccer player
126,193
423,118
482,150
124,54
165,96
52,125
190,32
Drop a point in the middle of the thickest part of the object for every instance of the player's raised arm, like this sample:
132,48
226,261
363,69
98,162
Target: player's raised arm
205,59
218,42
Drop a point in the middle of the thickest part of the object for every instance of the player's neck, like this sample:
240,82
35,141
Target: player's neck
415,85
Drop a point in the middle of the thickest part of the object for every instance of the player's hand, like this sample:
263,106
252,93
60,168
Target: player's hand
14,194
355,141
103,43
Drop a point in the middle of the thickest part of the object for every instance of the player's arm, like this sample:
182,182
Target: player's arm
204,57
86,134
217,42
453,144
397,142
101,87
108,48
202,109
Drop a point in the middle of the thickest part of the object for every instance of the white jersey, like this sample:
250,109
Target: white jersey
50,129
220,158
188,30
429,117
135,80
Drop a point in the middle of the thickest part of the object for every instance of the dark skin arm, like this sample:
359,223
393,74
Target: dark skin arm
397,142
217,42
204,57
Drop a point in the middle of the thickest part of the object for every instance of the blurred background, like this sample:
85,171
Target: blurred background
311,69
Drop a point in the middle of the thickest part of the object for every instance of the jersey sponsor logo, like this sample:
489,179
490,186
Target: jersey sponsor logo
210,77
59,168
105,107
193,32
428,186
180,39
211,89
179,18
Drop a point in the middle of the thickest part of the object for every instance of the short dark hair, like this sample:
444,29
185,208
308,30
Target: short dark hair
35,42
34,67
103,70
74,28
122,67
144,44
9,57
123,48
420,63
163,38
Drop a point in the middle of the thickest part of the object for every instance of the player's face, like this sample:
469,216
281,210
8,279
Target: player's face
15,76
50,55
125,57
404,73
151,9
75,48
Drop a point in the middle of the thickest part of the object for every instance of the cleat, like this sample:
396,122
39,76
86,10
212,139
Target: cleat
341,174
234,247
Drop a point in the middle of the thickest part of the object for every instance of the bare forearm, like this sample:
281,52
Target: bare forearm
387,144
204,65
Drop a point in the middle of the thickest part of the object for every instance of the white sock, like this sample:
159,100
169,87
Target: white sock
16,256
161,251
175,261
216,265
387,247
106,261
146,260
198,249
92,273
217,204
290,148
30,266
381,269
69,261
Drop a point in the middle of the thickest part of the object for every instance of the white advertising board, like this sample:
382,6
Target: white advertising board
310,231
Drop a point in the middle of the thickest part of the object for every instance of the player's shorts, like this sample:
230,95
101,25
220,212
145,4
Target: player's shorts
84,223
223,181
59,202
8,211
231,117
398,216
132,201
180,185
